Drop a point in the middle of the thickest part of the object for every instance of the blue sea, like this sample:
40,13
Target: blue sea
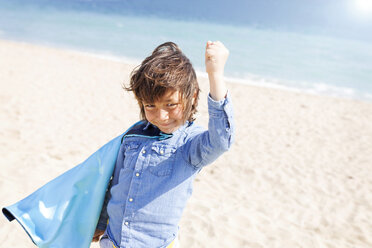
286,47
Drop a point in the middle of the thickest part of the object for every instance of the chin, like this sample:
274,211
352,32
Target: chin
172,127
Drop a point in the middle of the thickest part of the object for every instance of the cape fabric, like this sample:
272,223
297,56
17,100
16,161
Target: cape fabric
65,211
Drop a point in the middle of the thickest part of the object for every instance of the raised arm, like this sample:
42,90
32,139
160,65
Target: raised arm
205,147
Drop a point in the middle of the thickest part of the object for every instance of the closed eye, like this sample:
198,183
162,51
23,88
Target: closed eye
172,105
149,106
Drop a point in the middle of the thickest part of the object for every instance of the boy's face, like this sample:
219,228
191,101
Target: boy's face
167,112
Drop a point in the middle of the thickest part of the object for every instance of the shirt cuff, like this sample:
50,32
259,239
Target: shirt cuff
220,108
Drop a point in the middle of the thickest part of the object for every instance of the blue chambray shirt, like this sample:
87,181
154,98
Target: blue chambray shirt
153,178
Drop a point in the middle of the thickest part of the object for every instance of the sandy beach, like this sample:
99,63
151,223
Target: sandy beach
298,175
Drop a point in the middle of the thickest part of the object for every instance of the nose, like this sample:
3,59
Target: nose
163,115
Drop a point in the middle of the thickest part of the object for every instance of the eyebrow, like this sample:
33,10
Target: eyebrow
167,100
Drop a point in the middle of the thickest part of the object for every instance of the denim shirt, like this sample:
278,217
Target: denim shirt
153,178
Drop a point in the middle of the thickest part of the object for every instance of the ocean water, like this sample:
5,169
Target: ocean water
263,55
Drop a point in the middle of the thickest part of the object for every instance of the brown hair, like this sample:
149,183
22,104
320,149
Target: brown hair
167,68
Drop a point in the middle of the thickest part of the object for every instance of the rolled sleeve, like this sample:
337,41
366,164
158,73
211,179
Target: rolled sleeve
205,147
221,117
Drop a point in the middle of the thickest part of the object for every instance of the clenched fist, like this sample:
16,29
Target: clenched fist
216,55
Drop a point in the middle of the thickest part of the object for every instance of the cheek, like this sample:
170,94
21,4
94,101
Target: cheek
178,113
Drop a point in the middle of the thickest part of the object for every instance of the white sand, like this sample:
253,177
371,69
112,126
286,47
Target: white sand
299,174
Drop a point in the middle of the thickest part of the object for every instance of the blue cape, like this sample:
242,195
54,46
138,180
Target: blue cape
65,211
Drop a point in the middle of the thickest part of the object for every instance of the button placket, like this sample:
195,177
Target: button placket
130,207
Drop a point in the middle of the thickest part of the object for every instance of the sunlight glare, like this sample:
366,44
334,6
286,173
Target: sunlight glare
364,6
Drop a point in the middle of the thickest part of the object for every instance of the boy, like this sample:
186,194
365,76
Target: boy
160,156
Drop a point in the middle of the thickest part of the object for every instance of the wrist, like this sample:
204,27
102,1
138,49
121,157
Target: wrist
215,76
217,87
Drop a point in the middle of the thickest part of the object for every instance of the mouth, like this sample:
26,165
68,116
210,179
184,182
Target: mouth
165,124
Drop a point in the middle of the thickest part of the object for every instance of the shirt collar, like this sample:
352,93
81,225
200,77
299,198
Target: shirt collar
181,128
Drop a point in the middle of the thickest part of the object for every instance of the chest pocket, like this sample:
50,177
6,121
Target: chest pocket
162,160
131,150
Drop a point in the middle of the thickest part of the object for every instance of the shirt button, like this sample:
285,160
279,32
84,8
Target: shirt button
161,151
137,174
130,199
144,151
126,223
